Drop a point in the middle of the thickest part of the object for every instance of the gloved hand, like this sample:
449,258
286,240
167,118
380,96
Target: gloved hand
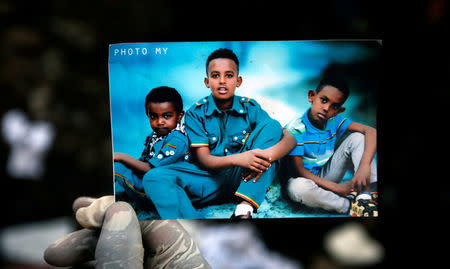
114,238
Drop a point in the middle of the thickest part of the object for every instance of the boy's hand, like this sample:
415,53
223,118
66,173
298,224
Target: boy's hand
344,188
361,179
256,160
248,175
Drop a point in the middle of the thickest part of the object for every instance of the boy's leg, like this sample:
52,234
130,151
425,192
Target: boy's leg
263,137
307,192
126,182
347,157
174,188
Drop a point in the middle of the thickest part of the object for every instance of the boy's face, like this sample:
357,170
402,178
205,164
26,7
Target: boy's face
223,78
325,104
163,117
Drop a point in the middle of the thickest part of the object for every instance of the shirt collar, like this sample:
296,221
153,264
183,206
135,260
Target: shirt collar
211,106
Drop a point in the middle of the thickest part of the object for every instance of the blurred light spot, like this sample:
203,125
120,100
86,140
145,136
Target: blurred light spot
29,142
25,243
351,245
236,246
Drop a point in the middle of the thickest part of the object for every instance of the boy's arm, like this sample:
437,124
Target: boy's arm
135,164
362,175
282,148
276,152
252,159
340,188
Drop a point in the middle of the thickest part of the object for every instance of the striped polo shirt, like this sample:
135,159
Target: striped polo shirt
316,146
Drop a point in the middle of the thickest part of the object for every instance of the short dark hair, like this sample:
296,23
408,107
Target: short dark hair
336,82
164,94
222,53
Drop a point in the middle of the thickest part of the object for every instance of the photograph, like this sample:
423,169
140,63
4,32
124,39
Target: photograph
245,129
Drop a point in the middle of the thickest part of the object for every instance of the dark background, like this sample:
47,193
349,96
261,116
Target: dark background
53,66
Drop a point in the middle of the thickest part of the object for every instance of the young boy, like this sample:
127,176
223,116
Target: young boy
318,168
167,143
235,143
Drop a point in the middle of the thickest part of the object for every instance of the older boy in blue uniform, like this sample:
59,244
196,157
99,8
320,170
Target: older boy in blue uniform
317,168
235,143
167,143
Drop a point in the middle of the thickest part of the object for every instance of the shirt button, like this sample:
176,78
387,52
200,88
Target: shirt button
243,140
214,138
242,111
243,99
235,138
244,132
204,100
226,150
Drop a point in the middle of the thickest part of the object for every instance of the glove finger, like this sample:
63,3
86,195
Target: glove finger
92,216
75,248
170,246
120,242
82,201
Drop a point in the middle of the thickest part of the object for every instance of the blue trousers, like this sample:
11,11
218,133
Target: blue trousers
126,181
176,188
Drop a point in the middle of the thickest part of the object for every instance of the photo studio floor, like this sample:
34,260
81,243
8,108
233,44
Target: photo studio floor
274,206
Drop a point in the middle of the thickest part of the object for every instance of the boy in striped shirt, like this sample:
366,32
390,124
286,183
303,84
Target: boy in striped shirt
316,168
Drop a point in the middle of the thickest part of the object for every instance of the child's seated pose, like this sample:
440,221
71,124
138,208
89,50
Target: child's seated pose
317,169
167,143
236,145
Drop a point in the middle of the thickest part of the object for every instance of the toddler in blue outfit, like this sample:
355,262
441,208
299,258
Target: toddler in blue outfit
167,143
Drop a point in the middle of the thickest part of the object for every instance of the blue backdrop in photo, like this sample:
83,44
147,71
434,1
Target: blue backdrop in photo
277,74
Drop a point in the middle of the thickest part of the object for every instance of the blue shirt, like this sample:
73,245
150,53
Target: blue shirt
316,146
172,148
225,132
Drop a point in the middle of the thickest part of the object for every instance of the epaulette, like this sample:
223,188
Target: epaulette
201,102
243,100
